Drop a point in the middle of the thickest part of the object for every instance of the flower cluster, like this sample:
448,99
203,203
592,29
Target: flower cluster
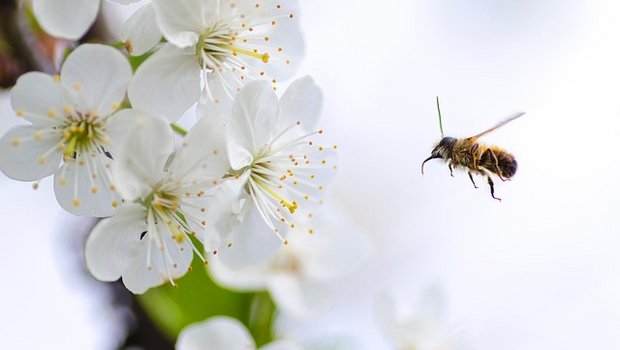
250,171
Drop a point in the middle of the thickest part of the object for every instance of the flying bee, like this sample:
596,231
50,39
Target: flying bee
475,157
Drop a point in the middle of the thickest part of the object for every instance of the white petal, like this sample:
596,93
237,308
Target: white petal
125,2
302,101
39,99
98,75
141,33
216,333
118,126
113,243
219,93
183,21
69,19
75,181
27,155
254,119
139,165
297,297
337,248
281,345
249,278
252,242
139,276
285,35
202,156
167,83
228,209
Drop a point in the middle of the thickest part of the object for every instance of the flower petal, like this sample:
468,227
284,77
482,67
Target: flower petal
249,278
69,19
216,333
282,345
125,2
202,157
140,276
39,99
251,242
26,154
286,44
302,101
167,83
139,165
113,243
182,21
336,249
298,297
228,209
254,119
99,75
82,186
140,33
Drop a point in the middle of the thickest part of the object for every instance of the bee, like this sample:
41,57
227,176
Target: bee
477,158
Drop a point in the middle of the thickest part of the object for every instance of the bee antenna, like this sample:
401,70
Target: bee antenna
439,113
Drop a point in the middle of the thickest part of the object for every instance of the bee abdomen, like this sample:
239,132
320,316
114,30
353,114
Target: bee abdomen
506,165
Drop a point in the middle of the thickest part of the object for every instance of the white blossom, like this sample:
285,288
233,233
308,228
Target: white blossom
68,19
277,174
148,241
418,325
226,42
224,333
71,123
299,277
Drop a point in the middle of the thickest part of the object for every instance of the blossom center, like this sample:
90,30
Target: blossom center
219,47
81,133
163,204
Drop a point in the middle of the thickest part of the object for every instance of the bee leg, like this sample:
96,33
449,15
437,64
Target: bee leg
496,165
474,159
472,179
492,189
451,169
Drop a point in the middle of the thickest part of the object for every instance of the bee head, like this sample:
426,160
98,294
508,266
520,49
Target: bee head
442,150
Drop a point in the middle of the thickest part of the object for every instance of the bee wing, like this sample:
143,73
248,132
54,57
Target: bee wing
500,124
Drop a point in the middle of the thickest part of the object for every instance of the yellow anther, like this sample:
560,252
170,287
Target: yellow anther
38,136
67,109
62,181
76,202
15,142
41,160
56,78
52,113
94,190
77,86
20,113
114,204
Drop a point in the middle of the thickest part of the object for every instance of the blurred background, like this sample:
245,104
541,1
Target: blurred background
538,270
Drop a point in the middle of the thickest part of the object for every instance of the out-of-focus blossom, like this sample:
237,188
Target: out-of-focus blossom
418,327
68,19
140,32
299,276
277,172
71,122
148,241
224,333
229,42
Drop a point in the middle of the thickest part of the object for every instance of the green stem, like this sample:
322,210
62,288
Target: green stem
261,318
178,129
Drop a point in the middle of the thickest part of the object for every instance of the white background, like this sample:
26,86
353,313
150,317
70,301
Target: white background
537,271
